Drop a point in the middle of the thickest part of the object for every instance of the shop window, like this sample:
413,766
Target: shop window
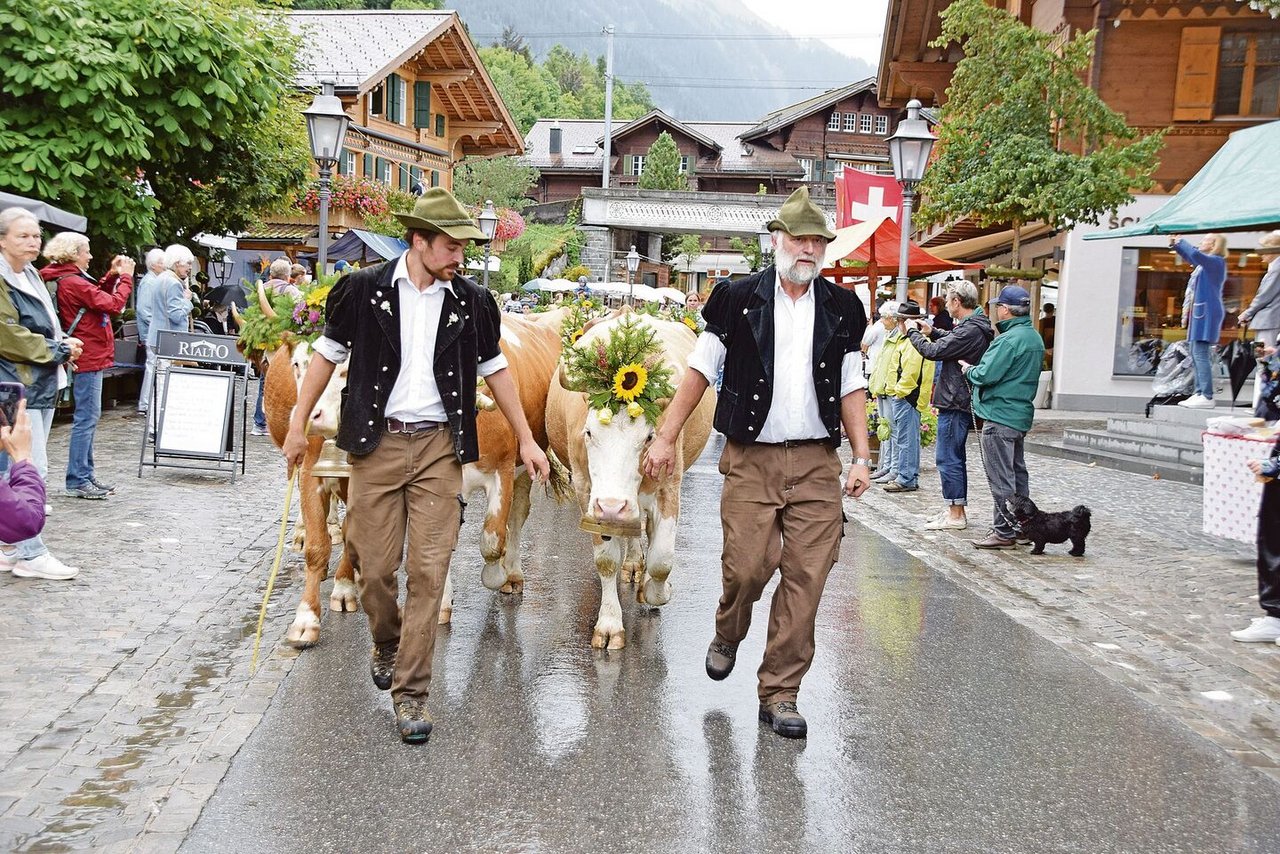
850,122
1152,285
833,123
882,125
867,123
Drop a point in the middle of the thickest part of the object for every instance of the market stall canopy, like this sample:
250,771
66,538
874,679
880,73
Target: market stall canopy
1237,190
876,244
364,246
671,295
45,212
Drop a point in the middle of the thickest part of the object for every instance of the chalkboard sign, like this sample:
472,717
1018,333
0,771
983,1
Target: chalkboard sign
195,412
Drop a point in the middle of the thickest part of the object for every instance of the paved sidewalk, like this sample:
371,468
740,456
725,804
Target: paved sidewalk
127,690
1150,605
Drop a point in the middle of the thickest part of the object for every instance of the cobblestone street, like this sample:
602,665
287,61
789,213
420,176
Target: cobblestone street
1150,606
128,690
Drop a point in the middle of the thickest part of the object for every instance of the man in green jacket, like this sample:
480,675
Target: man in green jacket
1004,387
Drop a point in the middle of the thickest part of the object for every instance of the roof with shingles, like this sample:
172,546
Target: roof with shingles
793,113
351,46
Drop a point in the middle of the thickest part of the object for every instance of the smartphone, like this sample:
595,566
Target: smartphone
10,395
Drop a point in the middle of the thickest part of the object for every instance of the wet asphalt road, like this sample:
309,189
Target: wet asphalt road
936,724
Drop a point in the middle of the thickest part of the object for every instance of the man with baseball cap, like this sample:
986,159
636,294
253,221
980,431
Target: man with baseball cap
1004,387
417,334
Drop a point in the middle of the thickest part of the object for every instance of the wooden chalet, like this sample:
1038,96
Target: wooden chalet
419,100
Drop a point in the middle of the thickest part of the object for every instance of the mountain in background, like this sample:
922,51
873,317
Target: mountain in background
682,54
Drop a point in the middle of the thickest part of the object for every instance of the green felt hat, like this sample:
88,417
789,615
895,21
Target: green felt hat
437,210
800,217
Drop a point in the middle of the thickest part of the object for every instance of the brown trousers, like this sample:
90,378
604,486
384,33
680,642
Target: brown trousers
409,483
780,509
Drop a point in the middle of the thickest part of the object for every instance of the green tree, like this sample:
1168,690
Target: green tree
146,113
662,166
690,246
1022,138
750,250
504,180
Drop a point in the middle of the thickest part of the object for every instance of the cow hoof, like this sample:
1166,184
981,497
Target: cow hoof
446,615
513,586
299,542
493,576
632,573
343,599
654,592
304,631
601,639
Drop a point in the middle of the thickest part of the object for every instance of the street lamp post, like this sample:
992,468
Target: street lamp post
765,237
909,149
327,128
633,264
489,225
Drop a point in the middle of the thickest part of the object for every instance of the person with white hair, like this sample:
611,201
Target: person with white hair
33,351
85,306
142,300
279,279
877,385
170,310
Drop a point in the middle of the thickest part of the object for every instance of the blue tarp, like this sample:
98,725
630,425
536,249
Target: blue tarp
365,246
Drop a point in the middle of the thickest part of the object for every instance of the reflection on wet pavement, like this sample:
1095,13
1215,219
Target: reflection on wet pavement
936,723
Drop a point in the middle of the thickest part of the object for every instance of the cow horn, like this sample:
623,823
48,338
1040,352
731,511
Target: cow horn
265,304
563,378
235,314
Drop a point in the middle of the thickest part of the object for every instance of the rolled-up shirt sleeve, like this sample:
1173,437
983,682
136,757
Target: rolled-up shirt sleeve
489,367
851,377
331,350
707,357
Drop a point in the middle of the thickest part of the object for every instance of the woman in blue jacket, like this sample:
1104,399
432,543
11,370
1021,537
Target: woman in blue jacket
1202,310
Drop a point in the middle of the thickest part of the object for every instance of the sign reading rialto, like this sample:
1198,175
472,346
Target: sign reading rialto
214,349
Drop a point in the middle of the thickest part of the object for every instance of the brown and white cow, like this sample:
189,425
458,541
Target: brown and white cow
611,486
316,495
532,350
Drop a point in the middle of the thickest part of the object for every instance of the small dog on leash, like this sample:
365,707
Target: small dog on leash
1041,527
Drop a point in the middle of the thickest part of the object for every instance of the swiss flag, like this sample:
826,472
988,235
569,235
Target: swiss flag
861,197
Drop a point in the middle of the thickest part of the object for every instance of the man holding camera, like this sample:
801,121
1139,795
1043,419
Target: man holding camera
909,382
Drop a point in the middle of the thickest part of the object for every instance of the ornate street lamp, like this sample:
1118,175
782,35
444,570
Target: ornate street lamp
327,129
765,238
633,264
489,225
909,149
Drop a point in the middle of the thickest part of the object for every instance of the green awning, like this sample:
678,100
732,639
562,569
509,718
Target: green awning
1237,190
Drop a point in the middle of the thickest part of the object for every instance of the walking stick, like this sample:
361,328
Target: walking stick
275,567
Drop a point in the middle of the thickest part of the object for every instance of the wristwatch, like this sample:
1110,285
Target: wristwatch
863,461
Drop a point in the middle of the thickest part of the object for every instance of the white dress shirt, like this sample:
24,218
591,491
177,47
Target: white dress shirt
793,411
415,395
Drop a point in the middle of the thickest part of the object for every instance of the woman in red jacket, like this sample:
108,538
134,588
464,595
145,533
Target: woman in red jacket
86,305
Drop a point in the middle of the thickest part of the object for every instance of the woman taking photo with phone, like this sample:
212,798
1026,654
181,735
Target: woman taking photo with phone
33,351
22,495
85,307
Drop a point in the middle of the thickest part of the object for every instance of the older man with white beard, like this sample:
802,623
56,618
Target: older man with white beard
789,344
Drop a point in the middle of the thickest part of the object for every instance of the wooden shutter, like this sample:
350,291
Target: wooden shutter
422,104
1197,74
435,178
628,164
368,166
395,107
380,171
415,175
440,124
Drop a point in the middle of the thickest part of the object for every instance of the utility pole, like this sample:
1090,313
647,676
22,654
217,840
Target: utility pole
608,105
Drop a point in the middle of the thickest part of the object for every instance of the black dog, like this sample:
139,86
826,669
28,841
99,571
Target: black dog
1041,528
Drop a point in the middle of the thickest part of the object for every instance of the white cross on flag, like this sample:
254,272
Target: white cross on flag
863,197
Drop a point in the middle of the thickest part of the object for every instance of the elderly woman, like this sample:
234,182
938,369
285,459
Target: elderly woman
33,351
170,311
1203,310
142,309
85,307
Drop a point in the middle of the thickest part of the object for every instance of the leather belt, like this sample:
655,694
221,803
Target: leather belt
796,443
395,425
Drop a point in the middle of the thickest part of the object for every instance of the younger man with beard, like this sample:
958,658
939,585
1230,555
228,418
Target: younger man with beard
418,335
789,343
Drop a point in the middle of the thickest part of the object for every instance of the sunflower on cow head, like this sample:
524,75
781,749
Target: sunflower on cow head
624,372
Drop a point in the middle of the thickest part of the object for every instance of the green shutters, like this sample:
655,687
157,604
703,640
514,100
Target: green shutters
435,178
342,162
395,98
415,177
422,104
439,124
368,166
380,170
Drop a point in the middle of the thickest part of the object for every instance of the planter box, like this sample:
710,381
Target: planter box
339,220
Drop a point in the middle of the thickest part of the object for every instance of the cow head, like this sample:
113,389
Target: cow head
328,409
614,451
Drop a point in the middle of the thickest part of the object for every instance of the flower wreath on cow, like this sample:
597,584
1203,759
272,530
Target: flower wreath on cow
581,313
274,319
625,373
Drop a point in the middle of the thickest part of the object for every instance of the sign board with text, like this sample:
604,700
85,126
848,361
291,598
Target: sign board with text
195,347
194,411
